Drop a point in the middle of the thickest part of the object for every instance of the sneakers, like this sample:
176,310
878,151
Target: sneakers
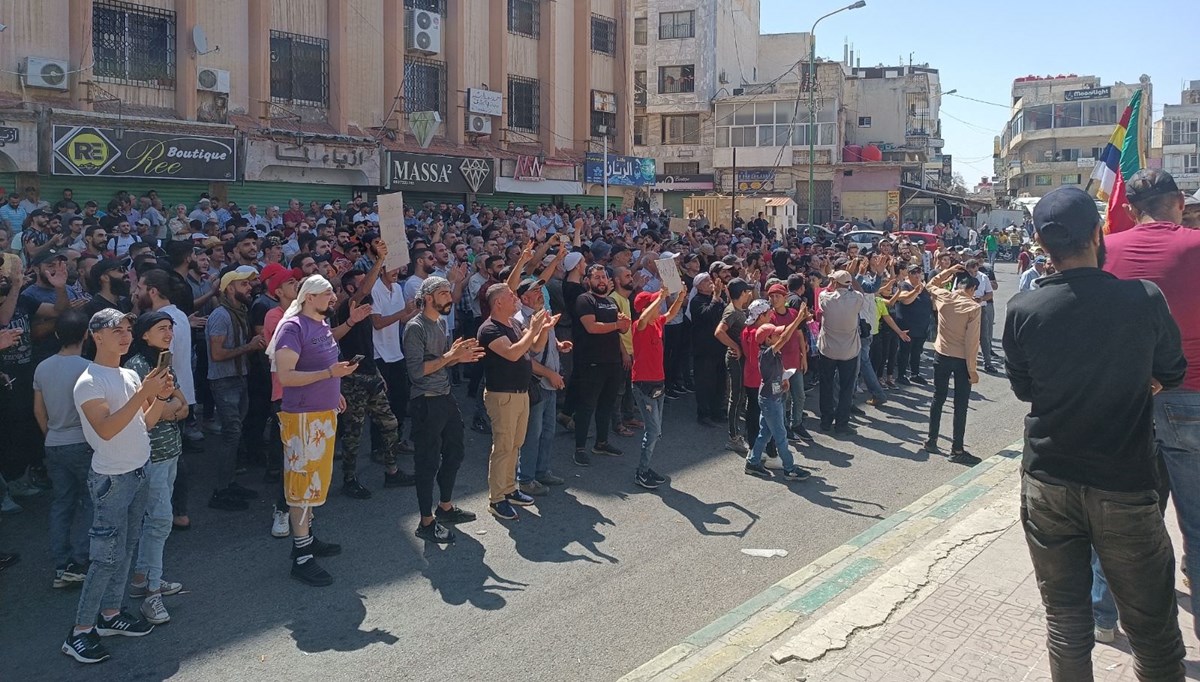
931,447
673,394
581,458
318,548
124,624
9,506
903,380
435,532
1106,635
454,515
918,379
857,411
534,487
280,526
737,445
85,647
757,470
604,448
153,610
70,576
352,488
845,430
241,492
23,488
802,433
503,511
796,474
310,572
400,479
518,498
566,421
226,501
550,479
876,402
165,588
9,559
648,479
964,457
773,463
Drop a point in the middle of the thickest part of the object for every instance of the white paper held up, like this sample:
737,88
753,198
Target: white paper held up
391,229
669,274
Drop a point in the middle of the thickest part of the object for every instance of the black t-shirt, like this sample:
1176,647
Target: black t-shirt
359,340
181,294
915,316
571,291
259,309
17,360
597,348
98,303
501,374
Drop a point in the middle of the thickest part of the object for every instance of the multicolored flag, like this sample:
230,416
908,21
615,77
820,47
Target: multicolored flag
1122,157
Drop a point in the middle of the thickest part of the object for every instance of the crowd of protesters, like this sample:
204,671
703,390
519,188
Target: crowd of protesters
273,340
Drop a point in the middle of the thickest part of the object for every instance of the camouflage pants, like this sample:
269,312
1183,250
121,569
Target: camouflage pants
366,396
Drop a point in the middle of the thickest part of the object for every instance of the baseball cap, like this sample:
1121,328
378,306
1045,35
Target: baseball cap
777,289
643,300
327,207
1192,199
1149,183
48,255
243,236
143,221
109,318
806,240
1067,212
757,309
737,287
841,277
527,284
238,274
1040,259
667,254
700,279
278,277
765,332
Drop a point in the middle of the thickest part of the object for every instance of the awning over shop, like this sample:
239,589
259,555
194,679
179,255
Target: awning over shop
914,192
541,187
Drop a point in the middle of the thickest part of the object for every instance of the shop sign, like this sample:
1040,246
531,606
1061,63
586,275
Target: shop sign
626,171
9,135
528,168
485,102
1090,93
668,183
755,180
435,173
316,162
91,151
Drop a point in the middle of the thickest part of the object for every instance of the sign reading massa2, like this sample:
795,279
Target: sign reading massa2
90,151
434,173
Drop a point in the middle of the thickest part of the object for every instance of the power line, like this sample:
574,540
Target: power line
994,104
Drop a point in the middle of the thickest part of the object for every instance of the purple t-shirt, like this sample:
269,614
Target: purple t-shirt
313,342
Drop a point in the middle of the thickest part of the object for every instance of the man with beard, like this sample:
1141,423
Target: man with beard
437,423
599,367
95,241
119,243
622,295
245,251
41,235
729,334
706,309
109,287
229,344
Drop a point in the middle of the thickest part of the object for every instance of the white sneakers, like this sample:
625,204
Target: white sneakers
154,611
773,463
1106,635
280,528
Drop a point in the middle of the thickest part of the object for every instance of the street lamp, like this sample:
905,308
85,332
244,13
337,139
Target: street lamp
812,105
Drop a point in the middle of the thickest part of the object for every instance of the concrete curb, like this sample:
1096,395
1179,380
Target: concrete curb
715,649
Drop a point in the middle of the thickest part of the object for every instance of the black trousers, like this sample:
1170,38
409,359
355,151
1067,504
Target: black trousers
673,358
438,443
710,385
258,390
1063,523
836,398
395,375
909,362
753,413
596,395
945,367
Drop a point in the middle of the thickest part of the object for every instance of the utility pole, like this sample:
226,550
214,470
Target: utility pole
733,194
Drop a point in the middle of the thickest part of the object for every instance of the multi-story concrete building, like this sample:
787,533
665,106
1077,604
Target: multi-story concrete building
1177,138
315,98
1059,126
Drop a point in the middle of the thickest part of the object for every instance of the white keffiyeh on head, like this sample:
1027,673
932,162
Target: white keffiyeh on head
313,284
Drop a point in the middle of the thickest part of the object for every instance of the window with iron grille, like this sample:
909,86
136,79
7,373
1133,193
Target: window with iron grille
424,85
681,169
133,43
639,31
299,69
672,79
438,6
676,25
524,104
609,121
524,18
604,35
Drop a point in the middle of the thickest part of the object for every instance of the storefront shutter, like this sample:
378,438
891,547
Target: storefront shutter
103,189
264,194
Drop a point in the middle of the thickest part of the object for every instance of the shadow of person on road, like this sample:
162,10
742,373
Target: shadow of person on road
817,490
702,515
561,519
337,628
821,452
457,572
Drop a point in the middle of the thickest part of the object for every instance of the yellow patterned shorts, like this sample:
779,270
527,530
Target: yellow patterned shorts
307,455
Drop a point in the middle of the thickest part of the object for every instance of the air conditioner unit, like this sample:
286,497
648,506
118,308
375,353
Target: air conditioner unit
424,32
739,91
45,73
479,125
213,80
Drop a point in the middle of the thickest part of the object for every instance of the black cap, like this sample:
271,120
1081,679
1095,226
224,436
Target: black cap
369,237
527,284
1149,183
1064,213
48,255
243,236
737,287
38,212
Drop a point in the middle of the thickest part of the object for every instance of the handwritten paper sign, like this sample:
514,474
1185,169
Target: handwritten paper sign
679,225
669,274
391,229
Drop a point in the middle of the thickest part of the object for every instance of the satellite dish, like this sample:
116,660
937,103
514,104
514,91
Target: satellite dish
200,41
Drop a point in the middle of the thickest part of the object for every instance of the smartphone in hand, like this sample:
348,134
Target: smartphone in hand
164,359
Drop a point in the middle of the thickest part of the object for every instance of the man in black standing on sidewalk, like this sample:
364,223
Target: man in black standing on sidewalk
1089,351
598,363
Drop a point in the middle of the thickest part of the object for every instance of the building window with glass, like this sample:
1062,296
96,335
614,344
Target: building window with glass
1042,180
1073,179
424,85
639,88
674,79
524,18
639,130
133,44
679,168
1181,131
774,124
299,69
639,31
524,104
683,129
672,25
604,35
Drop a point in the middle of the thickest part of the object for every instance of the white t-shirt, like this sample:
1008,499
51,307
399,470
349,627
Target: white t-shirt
386,302
985,285
130,448
181,354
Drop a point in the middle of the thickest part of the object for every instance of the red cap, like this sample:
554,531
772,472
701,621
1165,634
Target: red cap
642,300
278,276
777,289
765,332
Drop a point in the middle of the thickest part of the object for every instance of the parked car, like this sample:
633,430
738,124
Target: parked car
864,238
929,238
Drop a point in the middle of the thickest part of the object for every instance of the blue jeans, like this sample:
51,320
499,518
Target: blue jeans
120,503
534,459
156,525
796,399
652,413
771,425
68,467
867,371
1177,429
232,400
1104,607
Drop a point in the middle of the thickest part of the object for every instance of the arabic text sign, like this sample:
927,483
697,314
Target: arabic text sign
627,171
669,274
391,229
90,151
485,102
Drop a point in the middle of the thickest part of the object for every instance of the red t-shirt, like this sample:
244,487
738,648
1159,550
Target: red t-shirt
791,349
1023,261
648,351
751,377
1168,255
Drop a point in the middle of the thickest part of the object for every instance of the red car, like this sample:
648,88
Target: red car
929,238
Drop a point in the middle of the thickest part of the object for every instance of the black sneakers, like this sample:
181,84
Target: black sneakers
648,479
310,573
85,647
964,457
796,474
400,479
124,624
581,458
352,488
757,470
435,532
604,448
318,548
454,515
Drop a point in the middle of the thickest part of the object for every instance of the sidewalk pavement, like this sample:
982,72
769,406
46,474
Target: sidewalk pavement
941,591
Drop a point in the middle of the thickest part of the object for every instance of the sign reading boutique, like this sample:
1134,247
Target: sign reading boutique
91,151
435,173
627,171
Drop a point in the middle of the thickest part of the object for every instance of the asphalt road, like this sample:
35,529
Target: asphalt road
598,578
